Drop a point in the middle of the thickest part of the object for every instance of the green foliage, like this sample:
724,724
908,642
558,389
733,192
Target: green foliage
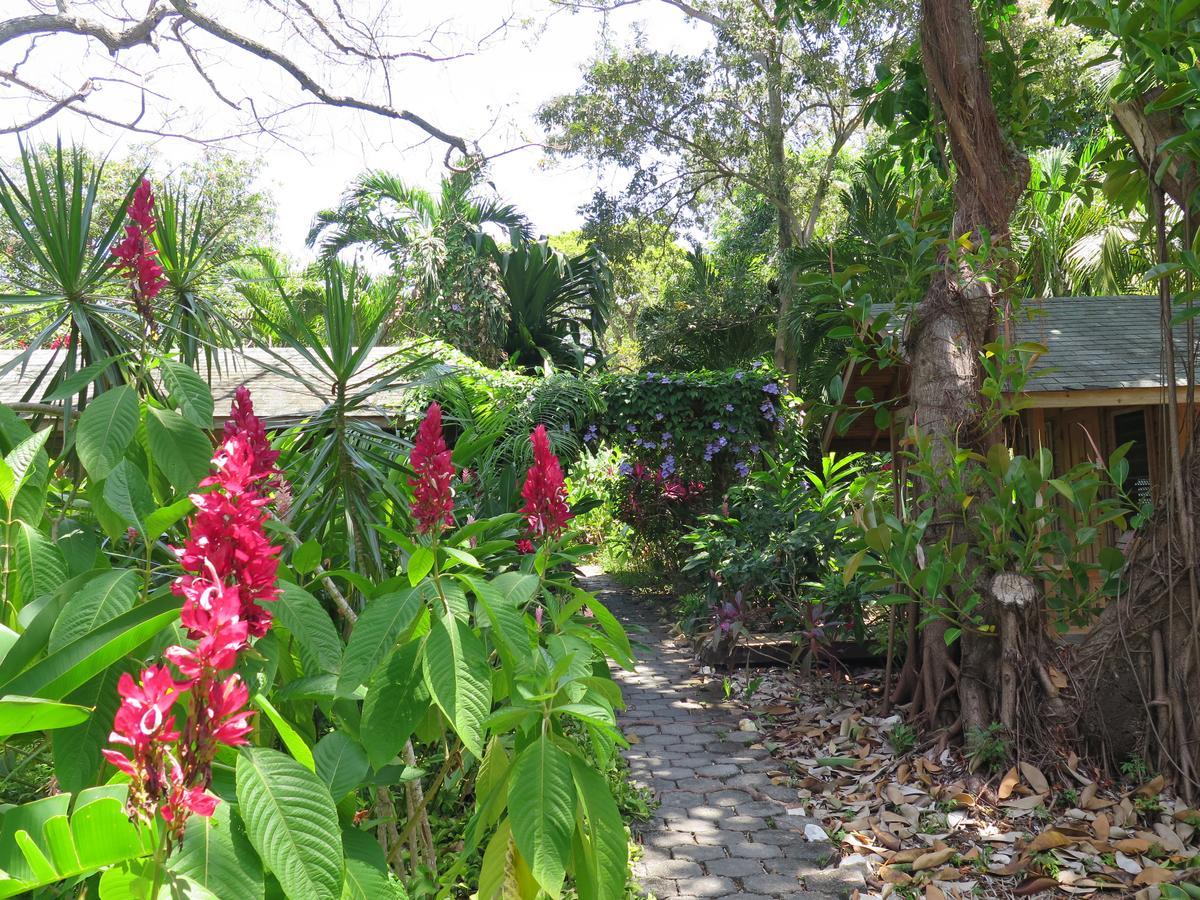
777,543
988,747
556,307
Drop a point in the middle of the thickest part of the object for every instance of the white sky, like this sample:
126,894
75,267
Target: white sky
538,57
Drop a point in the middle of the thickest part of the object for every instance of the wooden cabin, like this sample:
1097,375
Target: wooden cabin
1099,385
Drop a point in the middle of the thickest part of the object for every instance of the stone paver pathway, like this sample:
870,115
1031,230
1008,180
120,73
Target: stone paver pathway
721,829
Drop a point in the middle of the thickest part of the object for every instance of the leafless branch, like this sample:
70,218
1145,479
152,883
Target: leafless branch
138,33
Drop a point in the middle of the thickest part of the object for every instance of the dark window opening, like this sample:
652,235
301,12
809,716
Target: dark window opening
1131,426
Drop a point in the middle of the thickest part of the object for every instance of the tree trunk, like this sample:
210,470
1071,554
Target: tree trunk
780,186
952,323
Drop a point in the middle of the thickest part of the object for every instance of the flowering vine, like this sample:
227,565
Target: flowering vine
229,573
136,258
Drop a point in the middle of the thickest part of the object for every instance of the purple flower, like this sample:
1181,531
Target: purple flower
771,388
457,307
649,376
716,426
754,448
637,442
668,467
709,451
590,435
667,437
631,428
731,428
742,469
625,468
650,445
722,441
665,380
728,407
738,376
658,417
757,364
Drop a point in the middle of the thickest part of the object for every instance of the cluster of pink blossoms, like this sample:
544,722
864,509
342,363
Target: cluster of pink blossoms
546,512
136,257
433,471
230,572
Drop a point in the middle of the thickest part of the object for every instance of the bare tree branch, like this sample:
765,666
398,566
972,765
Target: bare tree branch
310,84
139,33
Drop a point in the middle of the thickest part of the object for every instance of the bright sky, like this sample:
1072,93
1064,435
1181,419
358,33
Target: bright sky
538,57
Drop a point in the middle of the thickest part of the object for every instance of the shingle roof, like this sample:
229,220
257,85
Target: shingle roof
1099,343
284,385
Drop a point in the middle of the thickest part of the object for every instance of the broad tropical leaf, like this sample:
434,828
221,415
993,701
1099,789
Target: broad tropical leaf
217,855
303,616
178,448
341,763
396,701
375,633
105,429
459,678
103,598
541,808
292,823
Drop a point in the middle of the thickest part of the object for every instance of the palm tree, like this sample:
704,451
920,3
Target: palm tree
426,239
1071,240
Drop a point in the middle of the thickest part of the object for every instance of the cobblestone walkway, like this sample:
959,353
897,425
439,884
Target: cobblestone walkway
723,828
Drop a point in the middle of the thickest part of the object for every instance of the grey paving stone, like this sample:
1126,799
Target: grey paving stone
709,886
771,884
698,852
672,868
718,769
760,808
754,850
682,799
731,798
735,867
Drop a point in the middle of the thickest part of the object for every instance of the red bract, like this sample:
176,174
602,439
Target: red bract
545,491
231,572
242,420
433,475
136,257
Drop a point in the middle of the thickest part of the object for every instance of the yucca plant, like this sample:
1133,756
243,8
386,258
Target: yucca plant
194,320
63,289
346,465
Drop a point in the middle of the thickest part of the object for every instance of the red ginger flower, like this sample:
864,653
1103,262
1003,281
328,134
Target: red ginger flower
433,471
231,570
545,492
136,257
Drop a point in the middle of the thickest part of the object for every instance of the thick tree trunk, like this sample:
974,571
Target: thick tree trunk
952,323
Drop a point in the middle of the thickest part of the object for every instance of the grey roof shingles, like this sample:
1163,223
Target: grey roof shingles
283,384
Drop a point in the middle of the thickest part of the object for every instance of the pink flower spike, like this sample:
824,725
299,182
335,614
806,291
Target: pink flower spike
433,475
545,492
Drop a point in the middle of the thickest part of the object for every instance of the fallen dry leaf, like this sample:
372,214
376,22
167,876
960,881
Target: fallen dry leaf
1036,779
933,859
1155,875
1035,886
1049,839
1007,783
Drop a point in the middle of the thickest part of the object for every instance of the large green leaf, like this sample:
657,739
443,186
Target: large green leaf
459,679
180,449
541,808
19,715
375,633
317,640
20,463
607,846
341,763
103,598
189,393
41,844
503,600
76,751
79,661
396,701
105,429
292,823
367,869
127,492
504,874
216,855
41,568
